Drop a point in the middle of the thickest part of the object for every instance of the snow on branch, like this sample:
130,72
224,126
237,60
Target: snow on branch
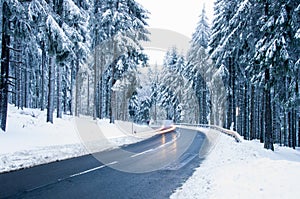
297,36
13,49
57,36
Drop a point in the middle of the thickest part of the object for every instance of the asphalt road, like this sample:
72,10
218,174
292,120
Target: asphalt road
153,168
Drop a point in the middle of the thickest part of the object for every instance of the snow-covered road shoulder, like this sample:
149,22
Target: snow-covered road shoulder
244,170
30,141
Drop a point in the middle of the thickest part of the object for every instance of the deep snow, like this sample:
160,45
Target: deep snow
244,170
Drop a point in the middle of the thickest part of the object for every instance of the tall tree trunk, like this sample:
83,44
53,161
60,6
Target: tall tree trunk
112,93
285,118
232,63
96,105
285,128
231,116
65,90
241,109
43,75
58,90
14,66
37,87
4,68
23,87
276,127
124,106
294,137
200,109
26,79
252,113
88,97
268,113
257,112
204,102
262,117
16,70
245,112
298,112
298,129
18,84
289,119
229,112
73,80
155,112
106,97
50,108
100,85
77,84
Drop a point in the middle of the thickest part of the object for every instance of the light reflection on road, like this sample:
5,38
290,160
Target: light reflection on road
174,137
165,140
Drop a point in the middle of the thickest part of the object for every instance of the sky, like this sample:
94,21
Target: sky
180,16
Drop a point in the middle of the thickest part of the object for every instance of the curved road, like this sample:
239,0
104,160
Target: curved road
153,168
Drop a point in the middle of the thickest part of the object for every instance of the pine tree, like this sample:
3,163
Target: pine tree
122,27
12,23
50,43
256,46
76,18
133,107
4,65
198,65
172,84
59,47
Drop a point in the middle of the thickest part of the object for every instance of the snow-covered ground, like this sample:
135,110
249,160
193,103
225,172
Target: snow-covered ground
231,170
244,170
30,141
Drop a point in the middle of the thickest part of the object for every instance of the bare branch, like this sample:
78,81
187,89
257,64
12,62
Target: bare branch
11,48
12,92
25,1
16,62
11,84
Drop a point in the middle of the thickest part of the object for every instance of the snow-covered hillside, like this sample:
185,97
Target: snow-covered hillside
244,170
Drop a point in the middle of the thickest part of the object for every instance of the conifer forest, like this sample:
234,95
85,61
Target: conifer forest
85,57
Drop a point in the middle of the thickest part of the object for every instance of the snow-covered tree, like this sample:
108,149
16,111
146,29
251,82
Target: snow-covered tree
12,26
50,43
121,27
171,86
59,47
254,43
133,107
276,58
198,65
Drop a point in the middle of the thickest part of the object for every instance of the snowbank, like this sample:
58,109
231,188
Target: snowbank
244,170
27,129
30,141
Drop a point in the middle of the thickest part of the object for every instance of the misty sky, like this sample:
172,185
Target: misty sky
177,15
180,16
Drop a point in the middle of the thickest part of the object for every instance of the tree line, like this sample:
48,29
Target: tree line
82,57
67,55
256,43
253,47
242,73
